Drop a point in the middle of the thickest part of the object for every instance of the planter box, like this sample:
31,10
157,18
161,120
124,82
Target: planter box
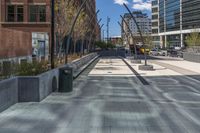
8,93
193,57
36,88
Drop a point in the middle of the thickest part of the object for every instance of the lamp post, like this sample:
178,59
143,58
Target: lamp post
94,16
72,28
123,20
108,21
124,32
52,34
93,31
140,33
145,66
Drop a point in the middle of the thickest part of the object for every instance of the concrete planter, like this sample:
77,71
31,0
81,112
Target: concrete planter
193,57
8,93
34,88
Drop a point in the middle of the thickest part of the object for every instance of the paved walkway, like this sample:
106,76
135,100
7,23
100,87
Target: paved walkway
107,99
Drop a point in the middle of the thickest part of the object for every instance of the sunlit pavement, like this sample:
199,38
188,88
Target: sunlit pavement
108,98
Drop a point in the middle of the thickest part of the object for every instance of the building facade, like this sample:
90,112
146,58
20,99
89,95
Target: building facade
24,29
177,19
155,23
144,22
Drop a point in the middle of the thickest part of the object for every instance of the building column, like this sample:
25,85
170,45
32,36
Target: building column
182,40
165,41
161,42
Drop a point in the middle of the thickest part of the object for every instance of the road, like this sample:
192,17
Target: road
109,98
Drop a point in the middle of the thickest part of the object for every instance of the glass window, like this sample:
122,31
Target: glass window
20,13
33,13
10,13
42,13
37,13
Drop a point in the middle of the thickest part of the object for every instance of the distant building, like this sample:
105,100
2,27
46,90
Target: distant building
155,23
116,40
144,23
177,19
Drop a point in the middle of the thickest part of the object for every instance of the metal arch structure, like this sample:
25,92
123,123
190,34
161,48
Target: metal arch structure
141,36
89,28
124,32
123,20
94,30
52,33
72,28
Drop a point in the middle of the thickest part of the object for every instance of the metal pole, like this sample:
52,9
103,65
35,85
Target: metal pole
103,35
72,28
94,16
123,20
108,21
124,33
142,39
52,34
93,31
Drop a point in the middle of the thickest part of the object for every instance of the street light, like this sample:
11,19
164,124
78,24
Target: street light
72,28
142,39
123,20
93,31
91,20
145,66
124,32
52,34
108,21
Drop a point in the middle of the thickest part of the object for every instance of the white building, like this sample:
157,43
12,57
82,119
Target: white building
155,23
143,21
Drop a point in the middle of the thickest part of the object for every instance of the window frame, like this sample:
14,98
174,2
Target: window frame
37,13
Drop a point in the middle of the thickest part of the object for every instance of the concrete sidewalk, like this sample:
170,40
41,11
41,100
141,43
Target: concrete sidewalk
108,98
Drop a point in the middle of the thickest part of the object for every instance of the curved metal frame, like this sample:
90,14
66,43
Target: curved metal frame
124,32
123,20
94,30
72,28
142,38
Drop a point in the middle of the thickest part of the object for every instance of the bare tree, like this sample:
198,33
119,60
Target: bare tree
64,14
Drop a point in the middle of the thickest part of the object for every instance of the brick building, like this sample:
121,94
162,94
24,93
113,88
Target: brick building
24,29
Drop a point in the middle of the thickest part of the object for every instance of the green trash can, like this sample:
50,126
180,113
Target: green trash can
66,79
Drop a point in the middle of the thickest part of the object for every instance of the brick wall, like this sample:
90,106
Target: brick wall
16,38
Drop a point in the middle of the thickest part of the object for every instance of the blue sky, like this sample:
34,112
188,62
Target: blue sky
114,8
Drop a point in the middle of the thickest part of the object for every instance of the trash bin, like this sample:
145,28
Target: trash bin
66,79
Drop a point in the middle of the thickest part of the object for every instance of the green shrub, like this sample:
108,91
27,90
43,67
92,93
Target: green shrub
32,69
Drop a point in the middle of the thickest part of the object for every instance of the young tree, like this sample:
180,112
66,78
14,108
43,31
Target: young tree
80,28
193,40
149,41
64,13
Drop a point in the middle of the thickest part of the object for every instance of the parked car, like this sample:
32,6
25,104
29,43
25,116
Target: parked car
154,52
163,53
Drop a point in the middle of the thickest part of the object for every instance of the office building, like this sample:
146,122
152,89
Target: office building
155,24
177,19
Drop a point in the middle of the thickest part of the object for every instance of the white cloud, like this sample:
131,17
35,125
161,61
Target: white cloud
142,4
136,1
120,2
